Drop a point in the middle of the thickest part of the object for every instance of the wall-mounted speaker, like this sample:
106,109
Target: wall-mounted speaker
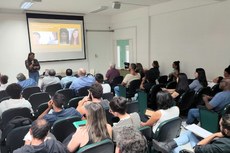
116,5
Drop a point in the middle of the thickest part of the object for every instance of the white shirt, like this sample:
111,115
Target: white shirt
48,80
3,86
14,103
167,115
106,88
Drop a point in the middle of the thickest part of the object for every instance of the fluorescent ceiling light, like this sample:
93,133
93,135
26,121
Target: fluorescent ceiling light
26,5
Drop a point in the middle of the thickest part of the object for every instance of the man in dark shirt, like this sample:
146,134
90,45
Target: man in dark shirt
39,130
112,73
215,143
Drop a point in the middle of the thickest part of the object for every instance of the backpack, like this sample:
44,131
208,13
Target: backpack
15,122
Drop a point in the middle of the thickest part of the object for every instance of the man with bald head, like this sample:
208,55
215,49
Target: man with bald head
112,73
82,81
217,103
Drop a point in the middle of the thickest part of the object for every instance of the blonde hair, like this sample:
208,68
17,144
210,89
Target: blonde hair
96,122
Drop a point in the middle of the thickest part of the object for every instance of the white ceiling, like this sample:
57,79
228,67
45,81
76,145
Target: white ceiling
79,6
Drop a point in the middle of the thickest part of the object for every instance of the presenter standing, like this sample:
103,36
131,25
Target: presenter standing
33,67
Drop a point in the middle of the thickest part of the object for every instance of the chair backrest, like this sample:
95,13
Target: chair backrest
122,91
83,91
153,96
142,101
104,146
67,85
110,117
59,76
3,95
198,95
109,96
209,120
163,79
117,80
226,109
133,86
38,98
171,85
186,100
14,139
168,130
51,89
132,107
41,108
74,102
11,113
147,132
28,91
68,93
62,128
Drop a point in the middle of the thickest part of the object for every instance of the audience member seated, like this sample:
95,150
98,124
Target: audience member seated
227,72
14,91
200,80
95,95
95,130
176,70
215,143
23,82
50,79
3,82
166,110
82,81
56,104
118,109
68,78
39,130
148,81
130,140
140,70
217,103
155,70
215,81
133,75
182,86
100,79
112,73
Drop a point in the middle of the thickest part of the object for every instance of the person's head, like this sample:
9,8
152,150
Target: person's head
149,76
201,76
4,79
75,36
139,68
39,129
96,122
96,91
164,100
155,64
218,79
36,38
99,78
81,72
225,84
69,72
31,56
132,67
52,72
59,100
118,105
176,65
14,90
130,140
112,66
225,125
64,36
182,82
227,72
21,77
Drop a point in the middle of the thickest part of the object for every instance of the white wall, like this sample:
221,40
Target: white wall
195,32
14,46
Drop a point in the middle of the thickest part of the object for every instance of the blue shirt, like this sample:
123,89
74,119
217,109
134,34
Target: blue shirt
195,85
82,82
67,79
219,101
27,83
51,118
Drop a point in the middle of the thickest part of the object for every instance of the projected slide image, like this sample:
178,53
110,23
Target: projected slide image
44,38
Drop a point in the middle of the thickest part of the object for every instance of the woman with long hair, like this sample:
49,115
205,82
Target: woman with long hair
33,67
74,40
200,80
166,110
176,70
95,130
181,87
